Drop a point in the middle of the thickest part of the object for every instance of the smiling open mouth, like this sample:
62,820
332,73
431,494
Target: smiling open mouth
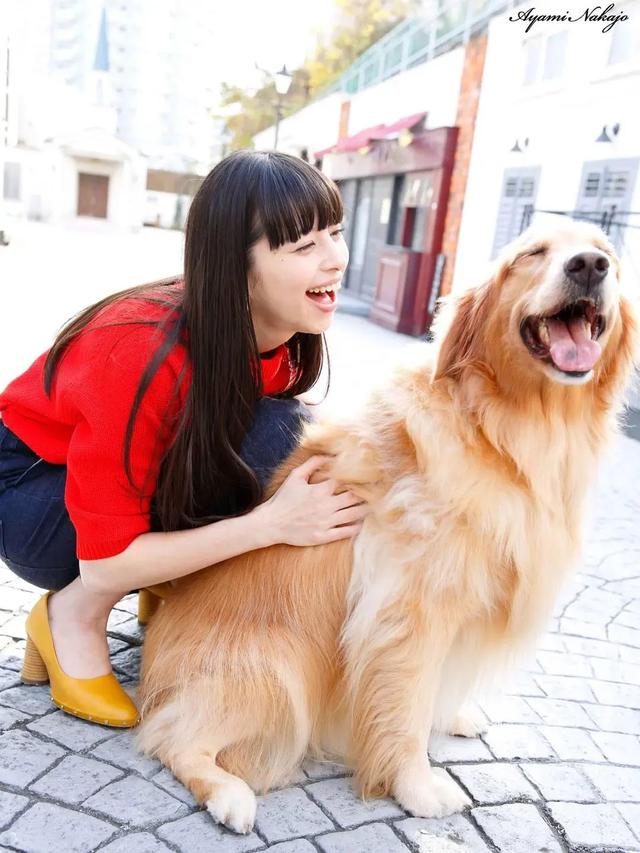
568,340
324,295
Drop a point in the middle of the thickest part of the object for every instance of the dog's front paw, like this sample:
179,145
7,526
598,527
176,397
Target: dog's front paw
234,805
429,792
468,722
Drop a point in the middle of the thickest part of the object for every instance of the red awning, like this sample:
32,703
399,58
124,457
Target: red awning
402,124
378,131
352,143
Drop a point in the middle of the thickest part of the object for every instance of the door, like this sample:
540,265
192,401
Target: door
517,201
93,194
348,191
360,229
377,236
606,190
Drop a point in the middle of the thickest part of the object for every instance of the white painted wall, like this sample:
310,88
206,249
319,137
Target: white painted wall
562,119
432,87
314,127
49,186
127,192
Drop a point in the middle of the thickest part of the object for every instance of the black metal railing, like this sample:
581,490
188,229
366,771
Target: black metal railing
613,222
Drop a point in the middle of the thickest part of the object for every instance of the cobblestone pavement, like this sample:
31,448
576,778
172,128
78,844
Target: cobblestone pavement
557,770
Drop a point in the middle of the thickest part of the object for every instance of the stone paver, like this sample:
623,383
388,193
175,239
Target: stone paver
374,838
197,833
339,800
561,782
10,805
23,757
453,834
119,750
557,770
48,828
590,825
136,842
75,779
136,802
289,814
70,731
301,845
517,827
494,783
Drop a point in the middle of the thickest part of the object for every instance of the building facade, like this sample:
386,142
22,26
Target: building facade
159,58
557,133
402,119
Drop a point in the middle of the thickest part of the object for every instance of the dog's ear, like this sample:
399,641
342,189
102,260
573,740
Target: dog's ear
463,343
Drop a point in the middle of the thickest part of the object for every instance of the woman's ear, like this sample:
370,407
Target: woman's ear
463,344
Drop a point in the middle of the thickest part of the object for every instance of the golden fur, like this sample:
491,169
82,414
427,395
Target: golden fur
476,461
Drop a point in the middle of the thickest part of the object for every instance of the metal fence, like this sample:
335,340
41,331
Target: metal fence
613,222
442,26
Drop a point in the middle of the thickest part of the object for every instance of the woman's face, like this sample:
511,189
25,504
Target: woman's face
280,281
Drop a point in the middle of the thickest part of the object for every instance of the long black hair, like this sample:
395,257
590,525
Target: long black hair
248,195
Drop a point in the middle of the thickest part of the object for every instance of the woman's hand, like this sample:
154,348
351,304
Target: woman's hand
303,513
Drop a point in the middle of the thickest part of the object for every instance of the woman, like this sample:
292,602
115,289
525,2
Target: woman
134,451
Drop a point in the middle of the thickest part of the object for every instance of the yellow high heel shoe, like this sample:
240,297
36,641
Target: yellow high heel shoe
101,700
149,600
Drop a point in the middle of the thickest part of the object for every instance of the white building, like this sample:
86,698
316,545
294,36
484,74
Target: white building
159,56
558,129
61,158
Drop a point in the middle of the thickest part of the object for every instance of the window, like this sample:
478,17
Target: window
370,73
392,59
625,37
532,53
410,206
419,40
12,181
352,84
544,58
606,190
397,212
517,202
554,56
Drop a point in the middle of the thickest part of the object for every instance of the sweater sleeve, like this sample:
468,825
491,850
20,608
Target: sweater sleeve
106,511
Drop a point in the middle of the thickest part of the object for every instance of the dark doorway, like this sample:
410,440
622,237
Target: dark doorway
93,195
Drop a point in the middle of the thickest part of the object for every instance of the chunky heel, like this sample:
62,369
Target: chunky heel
101,699
34,670
148,603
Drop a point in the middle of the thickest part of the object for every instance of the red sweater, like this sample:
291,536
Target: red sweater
82,425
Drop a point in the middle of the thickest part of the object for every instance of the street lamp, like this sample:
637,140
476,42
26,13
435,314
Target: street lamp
283,81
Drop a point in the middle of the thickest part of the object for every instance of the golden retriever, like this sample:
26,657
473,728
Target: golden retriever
476,461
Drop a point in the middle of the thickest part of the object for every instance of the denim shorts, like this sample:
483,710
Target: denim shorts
37,537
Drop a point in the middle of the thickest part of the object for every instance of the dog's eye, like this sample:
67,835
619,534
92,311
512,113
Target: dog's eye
539,250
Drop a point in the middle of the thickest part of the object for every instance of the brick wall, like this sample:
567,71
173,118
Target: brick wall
465,119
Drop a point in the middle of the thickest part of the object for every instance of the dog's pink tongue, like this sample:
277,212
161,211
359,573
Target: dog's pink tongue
571,347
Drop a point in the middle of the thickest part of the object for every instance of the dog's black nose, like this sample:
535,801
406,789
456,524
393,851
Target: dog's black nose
587,268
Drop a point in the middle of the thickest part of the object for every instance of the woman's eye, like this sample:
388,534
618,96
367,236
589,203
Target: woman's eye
309,245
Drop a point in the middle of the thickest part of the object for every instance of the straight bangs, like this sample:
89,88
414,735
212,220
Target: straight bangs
291,197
